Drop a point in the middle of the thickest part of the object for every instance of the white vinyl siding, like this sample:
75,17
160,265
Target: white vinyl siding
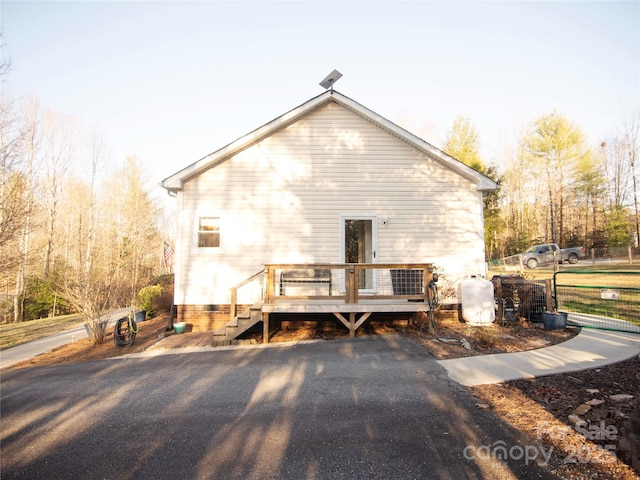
282,200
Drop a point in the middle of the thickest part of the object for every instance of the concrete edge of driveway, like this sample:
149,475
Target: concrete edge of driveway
587,350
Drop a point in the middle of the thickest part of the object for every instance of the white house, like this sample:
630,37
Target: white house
300,188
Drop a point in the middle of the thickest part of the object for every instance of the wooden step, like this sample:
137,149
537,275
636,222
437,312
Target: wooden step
239,324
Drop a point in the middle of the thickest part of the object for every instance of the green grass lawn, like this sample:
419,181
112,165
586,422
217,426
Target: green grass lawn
542,273
589,300
580,288
13,334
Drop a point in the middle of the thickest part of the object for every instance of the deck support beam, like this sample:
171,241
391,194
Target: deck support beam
265,327
352,324
344,321
362,319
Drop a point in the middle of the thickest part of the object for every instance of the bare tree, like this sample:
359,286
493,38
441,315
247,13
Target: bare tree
5,64
89,295
31,147
12,173
621,171
617,173
96,153
99,242
587,195
60,146
87,284
522,214
631,142
137,223
19,133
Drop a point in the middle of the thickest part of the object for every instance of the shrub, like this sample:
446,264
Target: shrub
146,296
164,301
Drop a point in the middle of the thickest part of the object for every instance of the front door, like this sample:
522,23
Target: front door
359,246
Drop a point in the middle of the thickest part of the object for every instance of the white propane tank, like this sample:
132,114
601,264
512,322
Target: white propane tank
476,296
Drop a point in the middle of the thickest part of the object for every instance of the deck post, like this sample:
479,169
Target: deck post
352,324
349,272
270,290
265,327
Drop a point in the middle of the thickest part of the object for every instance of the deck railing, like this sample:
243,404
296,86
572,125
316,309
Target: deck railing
348,282
234,291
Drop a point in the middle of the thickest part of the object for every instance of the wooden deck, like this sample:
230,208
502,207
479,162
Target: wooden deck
353,294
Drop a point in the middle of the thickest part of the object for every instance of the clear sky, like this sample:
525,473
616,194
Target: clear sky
172,82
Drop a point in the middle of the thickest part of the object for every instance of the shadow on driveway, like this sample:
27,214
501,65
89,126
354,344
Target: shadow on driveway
375,407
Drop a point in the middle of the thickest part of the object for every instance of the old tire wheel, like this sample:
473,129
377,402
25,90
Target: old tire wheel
573,258
532,263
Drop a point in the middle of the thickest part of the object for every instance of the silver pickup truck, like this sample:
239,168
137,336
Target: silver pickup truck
549,252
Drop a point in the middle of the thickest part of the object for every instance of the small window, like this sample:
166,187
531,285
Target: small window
209,232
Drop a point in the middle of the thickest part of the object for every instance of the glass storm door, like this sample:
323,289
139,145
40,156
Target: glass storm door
359,246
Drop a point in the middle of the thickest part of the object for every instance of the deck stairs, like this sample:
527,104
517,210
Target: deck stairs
242,322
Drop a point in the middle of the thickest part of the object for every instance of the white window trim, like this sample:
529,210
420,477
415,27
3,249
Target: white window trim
196,231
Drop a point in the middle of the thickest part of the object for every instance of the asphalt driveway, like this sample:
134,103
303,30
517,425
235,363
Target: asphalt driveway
364,408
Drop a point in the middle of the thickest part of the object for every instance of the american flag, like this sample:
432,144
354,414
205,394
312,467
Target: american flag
168,252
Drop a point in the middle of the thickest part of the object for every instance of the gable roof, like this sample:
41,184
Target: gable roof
176,181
